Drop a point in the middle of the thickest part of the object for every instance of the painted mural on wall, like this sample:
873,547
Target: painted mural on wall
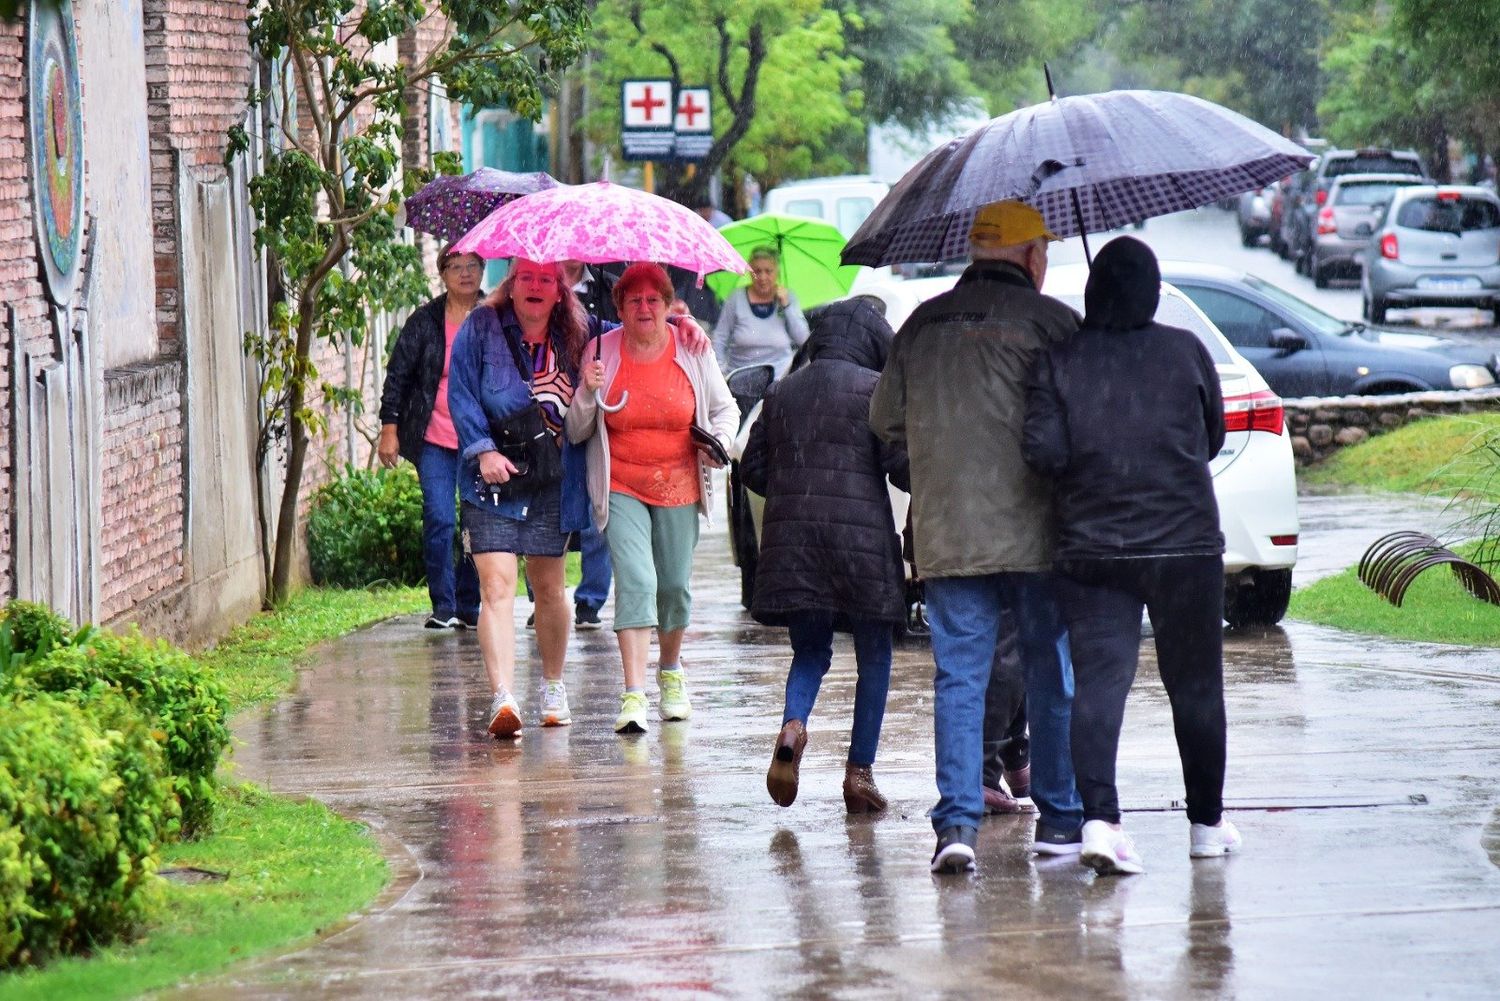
56,134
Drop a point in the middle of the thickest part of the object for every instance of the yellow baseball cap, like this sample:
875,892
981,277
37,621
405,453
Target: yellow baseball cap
1008,224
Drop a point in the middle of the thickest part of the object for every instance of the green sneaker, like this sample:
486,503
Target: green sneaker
632,718
674,697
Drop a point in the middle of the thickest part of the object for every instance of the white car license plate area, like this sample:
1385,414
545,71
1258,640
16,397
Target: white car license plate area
1448,283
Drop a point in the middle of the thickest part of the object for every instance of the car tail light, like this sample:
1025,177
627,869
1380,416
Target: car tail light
1260,411
1388,248
1321,196
1448,196
1326,224
1283,540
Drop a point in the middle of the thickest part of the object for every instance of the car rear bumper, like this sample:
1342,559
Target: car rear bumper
1331,251
1257,495
1400,284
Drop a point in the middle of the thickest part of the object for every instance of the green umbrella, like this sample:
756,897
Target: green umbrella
809,250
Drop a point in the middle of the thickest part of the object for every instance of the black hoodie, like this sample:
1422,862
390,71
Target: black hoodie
1125,417
828,542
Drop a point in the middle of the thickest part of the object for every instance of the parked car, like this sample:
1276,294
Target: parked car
1255,214
843,202
1314,192
1303,351
1434,246
1293,221
1354,202
1254,477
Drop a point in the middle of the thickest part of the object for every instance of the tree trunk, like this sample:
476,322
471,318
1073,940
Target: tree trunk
296,432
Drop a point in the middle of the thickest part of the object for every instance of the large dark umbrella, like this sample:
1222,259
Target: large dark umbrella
450,206
1087,163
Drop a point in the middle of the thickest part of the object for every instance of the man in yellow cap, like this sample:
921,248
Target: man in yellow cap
954,393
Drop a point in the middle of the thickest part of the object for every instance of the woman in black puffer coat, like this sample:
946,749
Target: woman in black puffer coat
830,557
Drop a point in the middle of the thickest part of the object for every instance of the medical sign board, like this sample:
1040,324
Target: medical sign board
646,112
693,124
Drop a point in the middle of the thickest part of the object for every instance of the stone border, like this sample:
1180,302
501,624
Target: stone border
1320,426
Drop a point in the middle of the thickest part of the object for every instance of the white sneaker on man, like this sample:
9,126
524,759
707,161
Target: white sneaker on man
1108,850
1211,842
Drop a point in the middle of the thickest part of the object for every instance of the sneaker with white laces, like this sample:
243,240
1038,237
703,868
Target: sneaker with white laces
436,621
674,697
1211,842
505,715
632,718
1108,850
555,704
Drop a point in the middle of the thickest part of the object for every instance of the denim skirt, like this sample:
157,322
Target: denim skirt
539,534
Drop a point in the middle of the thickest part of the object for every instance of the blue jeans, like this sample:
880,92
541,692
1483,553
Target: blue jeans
964,613
812,652
593,586
453,590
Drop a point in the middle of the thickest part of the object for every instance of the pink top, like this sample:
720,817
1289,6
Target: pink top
440,430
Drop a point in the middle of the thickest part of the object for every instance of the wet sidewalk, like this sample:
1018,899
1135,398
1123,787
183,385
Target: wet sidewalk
1364,775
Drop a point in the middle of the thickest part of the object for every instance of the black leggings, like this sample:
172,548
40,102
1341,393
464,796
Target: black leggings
1101,602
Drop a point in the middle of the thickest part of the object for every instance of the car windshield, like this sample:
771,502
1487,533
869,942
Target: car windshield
1304,311
1365,194
1448,215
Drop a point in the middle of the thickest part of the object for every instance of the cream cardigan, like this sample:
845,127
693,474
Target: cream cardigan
714,410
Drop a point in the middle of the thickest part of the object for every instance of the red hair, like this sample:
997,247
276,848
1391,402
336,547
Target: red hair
653,276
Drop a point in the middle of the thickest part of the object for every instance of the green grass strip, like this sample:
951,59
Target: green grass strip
1436,609
294,868
1438,455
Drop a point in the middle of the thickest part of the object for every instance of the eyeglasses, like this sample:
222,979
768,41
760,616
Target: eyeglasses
645,300
465,268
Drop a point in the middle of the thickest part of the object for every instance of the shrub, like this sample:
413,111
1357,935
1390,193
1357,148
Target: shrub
29,630
184,705
365,528
85,795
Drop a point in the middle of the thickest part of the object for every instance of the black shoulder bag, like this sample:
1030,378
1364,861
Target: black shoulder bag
527,441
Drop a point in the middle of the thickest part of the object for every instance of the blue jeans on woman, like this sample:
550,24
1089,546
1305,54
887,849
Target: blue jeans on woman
812,653
965,615
452,582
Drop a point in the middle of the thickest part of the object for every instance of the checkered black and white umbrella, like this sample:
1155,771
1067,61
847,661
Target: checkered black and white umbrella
1127,155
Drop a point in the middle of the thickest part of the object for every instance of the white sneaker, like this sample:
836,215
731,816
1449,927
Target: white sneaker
632,718
1211,842
1109,851
555,704
505,715
674,704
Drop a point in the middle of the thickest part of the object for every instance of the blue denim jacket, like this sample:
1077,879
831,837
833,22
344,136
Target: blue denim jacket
484,382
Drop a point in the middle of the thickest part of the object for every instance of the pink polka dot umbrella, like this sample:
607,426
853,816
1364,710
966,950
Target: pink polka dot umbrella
602,222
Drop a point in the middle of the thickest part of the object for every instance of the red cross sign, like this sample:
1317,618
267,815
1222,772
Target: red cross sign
646,103
693,110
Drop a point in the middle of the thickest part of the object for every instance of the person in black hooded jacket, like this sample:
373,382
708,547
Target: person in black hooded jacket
1125,417
830,556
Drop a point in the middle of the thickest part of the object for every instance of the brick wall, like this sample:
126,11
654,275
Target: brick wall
141,486
198,73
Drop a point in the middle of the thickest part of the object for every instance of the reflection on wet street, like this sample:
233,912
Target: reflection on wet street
578,863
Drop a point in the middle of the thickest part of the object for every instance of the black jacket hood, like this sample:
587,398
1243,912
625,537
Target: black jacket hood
850,330
1124,286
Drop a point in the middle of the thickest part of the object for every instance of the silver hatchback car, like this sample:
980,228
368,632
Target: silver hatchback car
1352,199
1436,245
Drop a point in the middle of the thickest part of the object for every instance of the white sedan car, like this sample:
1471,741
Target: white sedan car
1254,474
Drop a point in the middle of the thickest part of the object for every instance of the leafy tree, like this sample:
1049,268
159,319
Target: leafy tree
1005,42
777,68
331,180
910,72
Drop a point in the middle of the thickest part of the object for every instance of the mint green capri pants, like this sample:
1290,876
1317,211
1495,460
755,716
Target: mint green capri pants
652,551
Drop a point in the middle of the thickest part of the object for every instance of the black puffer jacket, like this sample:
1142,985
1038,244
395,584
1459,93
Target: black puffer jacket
413,374
1125,417
828,541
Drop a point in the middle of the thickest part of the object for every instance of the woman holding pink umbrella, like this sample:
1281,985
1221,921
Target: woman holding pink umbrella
656,421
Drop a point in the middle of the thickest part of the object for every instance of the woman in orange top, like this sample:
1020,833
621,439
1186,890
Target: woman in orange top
647,480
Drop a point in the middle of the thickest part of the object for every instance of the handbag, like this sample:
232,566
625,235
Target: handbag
709,445
527,441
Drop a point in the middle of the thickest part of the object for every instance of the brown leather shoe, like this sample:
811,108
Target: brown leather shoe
1000,801
860,794
781,779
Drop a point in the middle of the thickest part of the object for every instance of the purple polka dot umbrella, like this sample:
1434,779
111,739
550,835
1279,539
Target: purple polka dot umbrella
450,206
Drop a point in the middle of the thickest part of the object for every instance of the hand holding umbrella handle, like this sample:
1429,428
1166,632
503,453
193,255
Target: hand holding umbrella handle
599,393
